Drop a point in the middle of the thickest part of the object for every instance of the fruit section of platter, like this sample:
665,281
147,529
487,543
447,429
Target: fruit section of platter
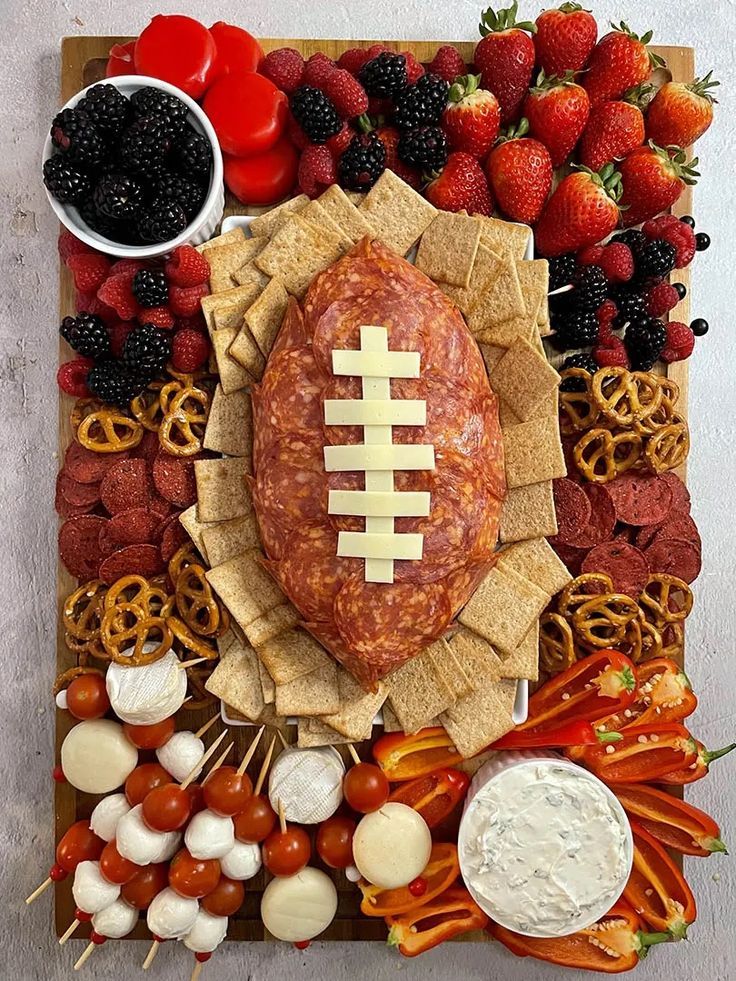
375,546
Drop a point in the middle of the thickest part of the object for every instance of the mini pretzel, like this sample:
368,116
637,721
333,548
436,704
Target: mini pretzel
184,557
146,407
196,603
670,388
82,610
197,678
602,620
183,425
649,393
651,640
189,640
614,391
127,630
556,645
666,599
128,589
81,409
581,589
601,456
66,678
109,431
668,448
673,640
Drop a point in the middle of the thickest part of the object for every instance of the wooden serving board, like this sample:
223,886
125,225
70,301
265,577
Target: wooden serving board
83,61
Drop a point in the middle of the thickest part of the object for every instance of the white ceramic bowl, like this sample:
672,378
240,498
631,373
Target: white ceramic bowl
202,228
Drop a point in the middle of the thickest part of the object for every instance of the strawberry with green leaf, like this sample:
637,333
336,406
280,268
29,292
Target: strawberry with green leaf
520,174
582,210
653,179
557,109
472,117
461,186
505,58
565,38
681,112
620,61
614,129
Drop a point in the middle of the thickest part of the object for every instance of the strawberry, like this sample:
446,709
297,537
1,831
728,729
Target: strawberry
184,301
557,110
565,38
680,342
462,186
613,129
520,174
472,117
681,112
89,269
187,267
389,136
505,58
447,63
653,179
582,210
620,61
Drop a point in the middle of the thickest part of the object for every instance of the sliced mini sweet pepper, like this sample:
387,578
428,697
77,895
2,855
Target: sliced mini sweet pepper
643,755
663,694
435,795
441,871
578,733
614,944
593,688
696,769
657,889
673,822
406,757
448,915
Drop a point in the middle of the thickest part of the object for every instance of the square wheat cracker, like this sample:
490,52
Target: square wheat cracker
194,528
390,719
418,693
486,266
236,681
315,693
277,621
224,260
267,684
501,301
232,304
264,224
533,452
534,278
345,213
477,657
503,608
528,512
265,315
491,355
477,720
523,661
251,275
449,669
316,215
448,248
247,353
222,491
297,252
227,238
538,562
357,707
230,424
397,212
245,587
507,238
291,654
233,376
312,732
226,539
523,378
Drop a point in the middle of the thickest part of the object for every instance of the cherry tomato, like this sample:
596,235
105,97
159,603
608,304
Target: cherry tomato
237,50
286,852
179,50
167,808
225,899
335,842
120,61
78,844
365,787
142,780
196,795
226,792
248,112
193,877
266,178
256,821
146,885
114,867
150,737
86,697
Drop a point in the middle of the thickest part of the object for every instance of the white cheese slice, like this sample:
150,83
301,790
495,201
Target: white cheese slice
299,907
391,846
376,364
386,456
375,412
147,694
390,504
369,545
308,782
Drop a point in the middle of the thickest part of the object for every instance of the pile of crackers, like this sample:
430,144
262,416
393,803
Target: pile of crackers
271,670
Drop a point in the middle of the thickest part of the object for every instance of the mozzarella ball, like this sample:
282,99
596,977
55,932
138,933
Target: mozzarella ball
139,844
116,920
242,862
299,907
181,754
209,835
106,815
96,756
391,846
171,916
207,933
91,890
149,693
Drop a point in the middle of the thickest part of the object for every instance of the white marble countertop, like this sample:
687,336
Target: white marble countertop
28,96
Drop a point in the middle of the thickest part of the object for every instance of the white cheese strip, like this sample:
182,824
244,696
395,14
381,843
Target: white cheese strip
375,412
374,504
379,457
376,364
370,545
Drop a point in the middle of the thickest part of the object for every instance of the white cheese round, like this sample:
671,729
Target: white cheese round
300,906
180,754
97,757
207,933
391,846
209,835
91,890
116,920
308,782
140,844
147,694
242,862
105,817
171,916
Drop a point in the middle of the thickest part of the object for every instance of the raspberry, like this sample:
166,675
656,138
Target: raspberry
606,312
613,352
661,299
655,226
296,134
679,235
195,322
591,256
680,342
617,262
72,377
118,333
126,267
414,70
89,269
317,170
88,303
189,350
70,245
389,136
339,143
185,300
375,50
158,316
117,292
187,267
317,70
346,93
353,59
448,63
285,68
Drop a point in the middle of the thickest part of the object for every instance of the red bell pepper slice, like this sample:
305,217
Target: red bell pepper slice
448,915
663,694
406,757
614,944
599,685
645,753
435,795
696,769
657,889
441,871
577,733
673,822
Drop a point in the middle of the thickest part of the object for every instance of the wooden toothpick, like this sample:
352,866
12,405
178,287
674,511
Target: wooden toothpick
68,932
264,768
153,950
251,750
190,664
207,726
282,817
85,956
39,890
208,755
218,762
353,752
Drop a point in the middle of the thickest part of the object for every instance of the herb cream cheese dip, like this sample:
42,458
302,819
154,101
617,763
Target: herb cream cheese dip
545,848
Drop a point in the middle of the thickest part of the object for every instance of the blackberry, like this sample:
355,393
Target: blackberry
590,289
384,76
87,335
73,132
107,108
362,163
425,148
162,222
149,288
118,196
561,270
192,156
645,339
146,350
423,103
117,231
655,260
630,306
315,113
65,181
578,328
585,361
187,194
144,146
114,383
166,108
633,237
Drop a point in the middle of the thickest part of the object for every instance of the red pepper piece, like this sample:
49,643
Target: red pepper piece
663,694
578,733
441,871
435,795
644,754
673,822
696,769
406,757
657,889
448,915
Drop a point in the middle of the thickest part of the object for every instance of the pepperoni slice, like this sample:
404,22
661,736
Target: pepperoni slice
602,517
125,485
677,524
451,352
79,548
640,499
136,526
674,557
289,394
148,448
455,418
173,477
132,560
491,459
76,494
680,493
311,572
172,538
573,510
572,557
627,567
86,466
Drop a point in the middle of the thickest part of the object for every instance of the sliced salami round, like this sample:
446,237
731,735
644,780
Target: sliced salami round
680,493
66,510
125,485
573,510
450,350
455,417
86,466
640,499
77,494
148,448
173,477
602,517
675,557
572,557
311,572
491,458
677,524
626,566
136,526
290,392
172,539
132,560
79,548
293,332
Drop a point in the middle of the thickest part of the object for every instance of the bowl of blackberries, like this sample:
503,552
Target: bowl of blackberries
134,168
